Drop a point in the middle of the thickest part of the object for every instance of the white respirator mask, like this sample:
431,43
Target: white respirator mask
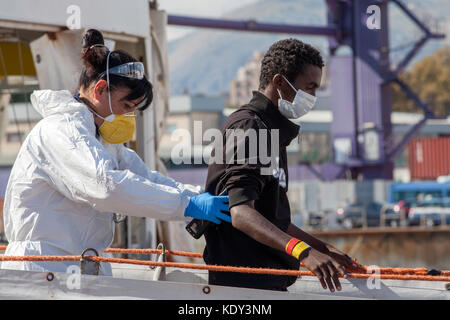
303,103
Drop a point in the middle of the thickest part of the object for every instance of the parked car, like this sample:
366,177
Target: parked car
394,216
357,215
430,212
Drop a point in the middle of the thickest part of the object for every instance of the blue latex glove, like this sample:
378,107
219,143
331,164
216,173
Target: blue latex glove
208,207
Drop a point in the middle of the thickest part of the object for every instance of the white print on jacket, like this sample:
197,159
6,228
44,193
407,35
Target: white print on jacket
278,173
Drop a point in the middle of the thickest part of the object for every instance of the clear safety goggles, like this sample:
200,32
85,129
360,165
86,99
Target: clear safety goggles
133,70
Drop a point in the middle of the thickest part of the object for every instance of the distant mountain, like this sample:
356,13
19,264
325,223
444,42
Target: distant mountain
205,61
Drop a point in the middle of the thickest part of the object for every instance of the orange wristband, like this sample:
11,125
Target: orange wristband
295,247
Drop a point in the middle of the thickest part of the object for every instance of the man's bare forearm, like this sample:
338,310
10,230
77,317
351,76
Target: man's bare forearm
298,233
246,219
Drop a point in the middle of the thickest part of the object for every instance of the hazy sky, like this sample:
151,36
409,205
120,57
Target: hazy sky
202,8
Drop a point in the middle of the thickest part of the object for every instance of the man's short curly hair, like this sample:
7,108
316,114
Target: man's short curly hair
289,58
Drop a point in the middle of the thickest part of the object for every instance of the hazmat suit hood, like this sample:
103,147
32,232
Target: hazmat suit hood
49,102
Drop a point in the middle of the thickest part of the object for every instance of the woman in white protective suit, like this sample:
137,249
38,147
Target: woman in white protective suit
73,172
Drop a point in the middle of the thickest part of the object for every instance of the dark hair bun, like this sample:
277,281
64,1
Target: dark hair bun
94,50
91,37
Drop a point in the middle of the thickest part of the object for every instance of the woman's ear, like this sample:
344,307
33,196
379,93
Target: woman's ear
100,88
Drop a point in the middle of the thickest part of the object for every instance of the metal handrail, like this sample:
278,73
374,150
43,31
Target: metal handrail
383,215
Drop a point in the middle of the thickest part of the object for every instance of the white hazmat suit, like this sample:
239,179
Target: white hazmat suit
66,183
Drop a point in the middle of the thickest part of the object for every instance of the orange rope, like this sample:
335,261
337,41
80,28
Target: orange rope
40,258
219,268
399,271
258,270
154,251
145,251
360,271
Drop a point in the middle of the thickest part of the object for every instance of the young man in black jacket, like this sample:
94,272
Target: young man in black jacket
261,234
